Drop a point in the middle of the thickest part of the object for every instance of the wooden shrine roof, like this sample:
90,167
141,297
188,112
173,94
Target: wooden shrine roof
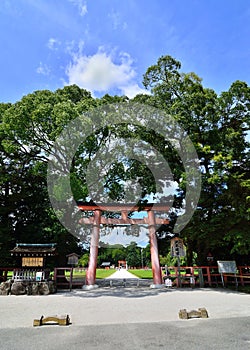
23,248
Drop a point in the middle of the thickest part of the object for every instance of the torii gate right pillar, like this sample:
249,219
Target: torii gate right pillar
156,268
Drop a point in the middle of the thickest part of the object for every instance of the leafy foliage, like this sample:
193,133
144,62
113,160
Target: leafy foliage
217,126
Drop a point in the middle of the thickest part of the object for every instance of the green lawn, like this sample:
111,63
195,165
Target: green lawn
142,273
77,274
101,273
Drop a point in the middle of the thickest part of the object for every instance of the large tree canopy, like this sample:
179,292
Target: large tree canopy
217,126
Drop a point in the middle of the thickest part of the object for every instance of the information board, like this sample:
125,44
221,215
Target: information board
227,266
177,247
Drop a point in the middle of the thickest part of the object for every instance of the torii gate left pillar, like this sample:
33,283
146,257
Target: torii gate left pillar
94,242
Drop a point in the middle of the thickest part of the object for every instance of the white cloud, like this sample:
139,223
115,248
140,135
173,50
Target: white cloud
53,44
101,73
43,69
74,48
117,21
133,89
82,6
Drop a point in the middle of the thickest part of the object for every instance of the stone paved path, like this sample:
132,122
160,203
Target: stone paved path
121,274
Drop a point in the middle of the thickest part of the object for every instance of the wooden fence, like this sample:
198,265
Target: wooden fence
209,276
18,274
200,276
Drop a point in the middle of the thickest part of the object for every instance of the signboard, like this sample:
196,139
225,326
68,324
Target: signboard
32,261
227,266
72,259
39,276
177,247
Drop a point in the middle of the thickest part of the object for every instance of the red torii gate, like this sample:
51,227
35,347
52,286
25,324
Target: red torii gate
124,209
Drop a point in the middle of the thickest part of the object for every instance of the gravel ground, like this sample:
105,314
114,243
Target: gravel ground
127,318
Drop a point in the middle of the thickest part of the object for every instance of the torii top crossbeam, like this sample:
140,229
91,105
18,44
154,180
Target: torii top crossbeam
124,209
119,207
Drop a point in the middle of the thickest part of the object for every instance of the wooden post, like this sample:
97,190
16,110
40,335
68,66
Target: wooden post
209,276
179,271
71,279
91,272
241,278
156,269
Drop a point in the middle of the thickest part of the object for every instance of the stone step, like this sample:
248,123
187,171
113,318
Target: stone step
130,282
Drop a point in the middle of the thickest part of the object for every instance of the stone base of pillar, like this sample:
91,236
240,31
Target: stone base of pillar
157,286
90,287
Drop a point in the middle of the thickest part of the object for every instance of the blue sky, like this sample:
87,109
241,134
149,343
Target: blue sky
106,46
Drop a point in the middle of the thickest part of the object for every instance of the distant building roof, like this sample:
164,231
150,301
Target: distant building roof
29,249
72,254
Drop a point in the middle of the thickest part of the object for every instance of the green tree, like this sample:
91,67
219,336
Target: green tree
84,259
217,126
133,255
27,131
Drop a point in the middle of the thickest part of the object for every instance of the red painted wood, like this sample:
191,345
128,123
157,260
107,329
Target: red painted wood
91,272
123,207
117,221
156,269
